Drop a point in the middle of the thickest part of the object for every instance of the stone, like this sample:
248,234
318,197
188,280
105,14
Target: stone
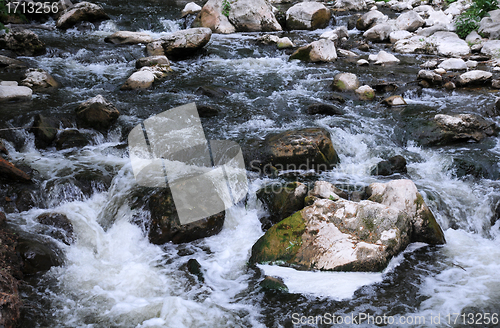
37,78
438,17
370,19
38,256
456,64
383,58
449,85
409,21
356,5
365,92
326,190
495,84
303,149
207,111
72,138
490,25
346,53
45,130
322,50
336,34
81,12
404,196
399,35
282,199
211,16
362,62
3,149
10,173
273,284
440,71
446,44
22,42
15,93
284,43
336,235
345,82
142,79
11,63
430,64
63,228
395,164
473,38
190,8
307,16
474,77
394,101
324,109
184,43
194,267
152,61
379,33
127,37
96,113
253,16
491,48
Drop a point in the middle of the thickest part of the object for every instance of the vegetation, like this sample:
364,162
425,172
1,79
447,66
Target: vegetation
226,7
469,20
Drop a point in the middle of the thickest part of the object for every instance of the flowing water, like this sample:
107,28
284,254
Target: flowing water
113,277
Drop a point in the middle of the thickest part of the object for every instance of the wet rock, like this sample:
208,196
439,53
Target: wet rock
303,149
370,19
336,34
3,149
81,12
459,128
211,16
362,62
326,190
273,284
152,61
185,43
497,104
490,25
324,109
127,37
284,43
346,53
142,79
45,130
430,64
12,92
38,256
212,91
365,92
7,62
282,200
72,138
395,164
356,5
364,47
404,196
453,64
253,16
431,77
394,101
337,236
379,33
384,58
307,16
399,35
318,51
96,113
446,44
409,21
165,226
207,111
345,82
9,172
37,78
194,268
22,42
491,48
63,227
474,77
449,85
190,8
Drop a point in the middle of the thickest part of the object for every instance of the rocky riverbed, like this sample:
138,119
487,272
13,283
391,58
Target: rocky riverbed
369,132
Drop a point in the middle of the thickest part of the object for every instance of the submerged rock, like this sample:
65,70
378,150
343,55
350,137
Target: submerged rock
97,113
22,42
37,78
345,82
81,12
72,138
395,164
38,256
62,228
45,130
324,109
307,16
127,37
318,51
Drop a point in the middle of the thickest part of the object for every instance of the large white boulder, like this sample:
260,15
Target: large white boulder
322,50
10,92
409,21
307,16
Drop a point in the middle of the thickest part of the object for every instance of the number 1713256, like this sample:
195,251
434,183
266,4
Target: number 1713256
32,7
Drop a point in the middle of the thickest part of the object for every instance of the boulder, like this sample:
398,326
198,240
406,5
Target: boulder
7,62
190,8
22,42
399,35
307,16
430,77
212,91
126,37
282,199
446,44
336,235
81,12
284,43
394,101
356,5
61,227
303,149
38,256
184,43
9,172
207,111
395,164
438,17
45,130
211,16
318,51
379,33
365,92
145,77
325,190
490,25
96,113
491,48
464,127
14,92
383,58
336,34
404,196
409,21
324,109
273,284
345,82
474,77
370,19
253,16
346,53
152,61
453,64
72,138
37,78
